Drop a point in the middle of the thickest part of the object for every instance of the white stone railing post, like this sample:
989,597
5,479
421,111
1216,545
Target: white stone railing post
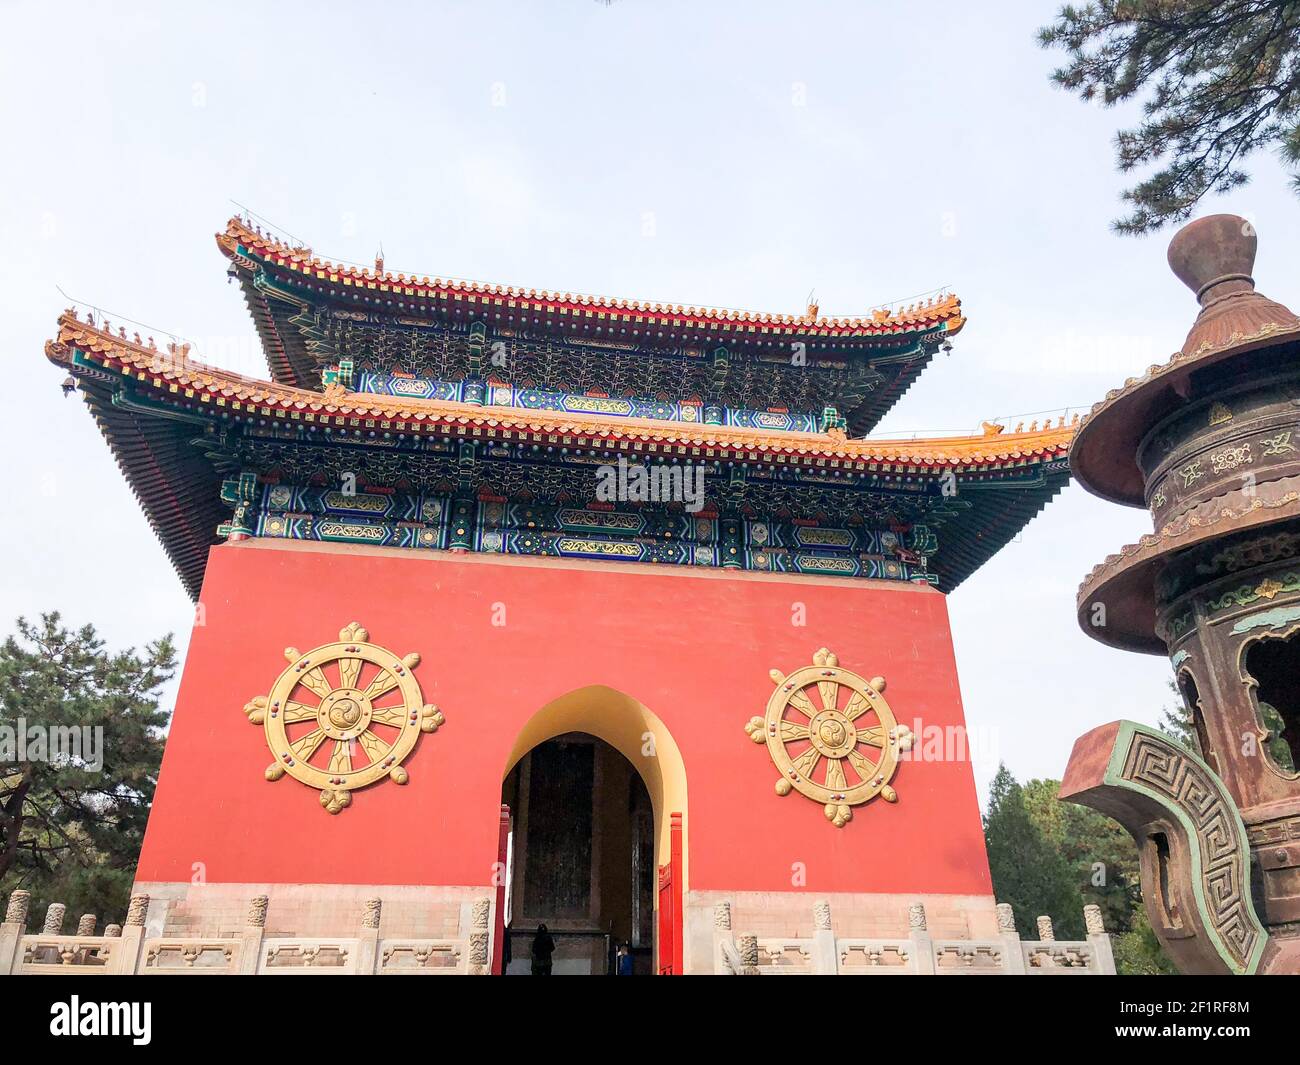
918,928
126,959
54,919
1099,938
1046,934
480,922
726,958
85,927
250,950
826,955
13,929
1013,954
368,938
747,948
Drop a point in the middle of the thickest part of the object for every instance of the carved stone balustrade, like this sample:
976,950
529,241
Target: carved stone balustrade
827,954
125,950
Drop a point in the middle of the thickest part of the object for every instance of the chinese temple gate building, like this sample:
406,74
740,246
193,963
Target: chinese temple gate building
597,613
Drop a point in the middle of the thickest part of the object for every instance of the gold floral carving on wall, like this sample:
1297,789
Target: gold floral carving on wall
342,716
832,735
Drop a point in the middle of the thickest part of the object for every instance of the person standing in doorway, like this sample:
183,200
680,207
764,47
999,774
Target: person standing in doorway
543,948
623,962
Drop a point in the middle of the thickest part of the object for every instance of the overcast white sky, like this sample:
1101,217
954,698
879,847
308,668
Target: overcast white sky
733,154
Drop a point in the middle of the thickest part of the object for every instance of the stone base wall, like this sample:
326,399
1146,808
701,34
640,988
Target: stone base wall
207,910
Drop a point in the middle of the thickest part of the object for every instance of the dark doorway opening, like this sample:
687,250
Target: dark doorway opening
582,857
1192,700
1275,666
1166,904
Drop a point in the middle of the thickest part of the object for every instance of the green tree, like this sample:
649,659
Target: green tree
1028,871
1137,951
1052,857
1101,855
1218,80
72,820
1176,722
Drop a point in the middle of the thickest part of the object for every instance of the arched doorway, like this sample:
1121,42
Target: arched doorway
593,785
582,860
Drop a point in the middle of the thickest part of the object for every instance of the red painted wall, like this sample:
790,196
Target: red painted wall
695,651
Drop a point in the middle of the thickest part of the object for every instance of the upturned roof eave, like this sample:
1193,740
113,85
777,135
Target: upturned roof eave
180,372
942,311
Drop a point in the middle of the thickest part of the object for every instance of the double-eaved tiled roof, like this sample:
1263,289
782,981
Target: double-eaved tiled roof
173,395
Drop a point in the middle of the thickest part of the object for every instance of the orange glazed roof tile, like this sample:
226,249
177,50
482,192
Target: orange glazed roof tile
186,381
943,310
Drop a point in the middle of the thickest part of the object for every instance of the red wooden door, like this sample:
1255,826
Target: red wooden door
499,931
665,937
670,904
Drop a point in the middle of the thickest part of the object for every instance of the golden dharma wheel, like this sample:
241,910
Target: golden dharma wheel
342,716
832,735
